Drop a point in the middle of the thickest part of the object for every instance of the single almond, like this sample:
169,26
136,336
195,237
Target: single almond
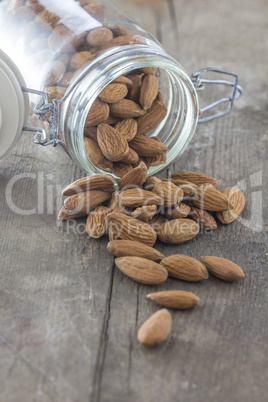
137,197
180,211
186,268
142,270
171,194
125,248
98,113
55,92
145,213
178,231
155,329
120,169
145,146
104,182
112,144
209,198
99,36
157,222
134,178
134,91
178,299
86,202
126,109
196,178
156,160
128,128
123,80
223,268
132,157
91,132
149,91
128,228
111,120
95,155
204,218
151,119
113,93
237,200
151,182
96,224
80,58
66,214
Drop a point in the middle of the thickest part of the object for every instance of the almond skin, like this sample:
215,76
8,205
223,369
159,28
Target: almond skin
66,214
98,113
186,268
134,178
136,197
128,228
155,329
120,169
178,231
128,128
145,213
178,299
112,144
126,109
95,155
145,146
99,37
132,157
209,198
181,211
96,224
196,178
80,58
103,182
223,268
134,91
157,223
171,194
237,200
204,218
148,91
85,202
128,248
151,119
142,270
113,93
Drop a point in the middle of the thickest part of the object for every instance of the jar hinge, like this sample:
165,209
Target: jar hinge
199,82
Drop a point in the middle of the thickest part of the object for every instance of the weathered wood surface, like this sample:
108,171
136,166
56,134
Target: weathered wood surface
69,319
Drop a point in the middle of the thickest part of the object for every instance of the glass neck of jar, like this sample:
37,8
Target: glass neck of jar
182,101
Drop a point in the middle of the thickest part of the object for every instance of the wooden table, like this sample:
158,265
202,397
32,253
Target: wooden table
69,319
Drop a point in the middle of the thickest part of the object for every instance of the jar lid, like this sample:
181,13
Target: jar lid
14,104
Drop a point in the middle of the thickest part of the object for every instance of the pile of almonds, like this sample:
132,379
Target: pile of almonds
137,210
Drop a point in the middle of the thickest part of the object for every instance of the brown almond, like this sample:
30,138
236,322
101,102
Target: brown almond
80,58
237,200
171,194
111,120
126,109
99,37
145,213
178,299
67,79
142,270
120,169
132,157
188,190
151,119
148,70
95,155
134,178
137,197
98,113
145,146
180,211
104,182
91,132
55,92
151,182
157,222
128,228
113,93
96,224
209,198
155,329
127,248
128,128
123,80
186,268
178,231
204,218
85,202
112,144
148,91
196,178
66,214
223,268
156,160
134,91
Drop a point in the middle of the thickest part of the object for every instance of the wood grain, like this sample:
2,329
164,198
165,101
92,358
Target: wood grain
69,318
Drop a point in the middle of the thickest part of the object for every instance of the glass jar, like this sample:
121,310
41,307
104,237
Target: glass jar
67,52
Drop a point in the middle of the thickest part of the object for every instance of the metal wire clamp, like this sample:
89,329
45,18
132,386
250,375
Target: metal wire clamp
236,93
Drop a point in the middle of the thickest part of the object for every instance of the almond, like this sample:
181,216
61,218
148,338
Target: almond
112,144
151,119
181,211
80,58
171,194
113,93
98,113
204,218
223,268
209,198
125,248
66,79
195,177
55,92
156,160
85,202
123,80
66,214
186,268
145,213
156,328
95,155
134,178
151,182
178,231
120,169
136,197
179,299
142,270
99,37
132,157
91,132
111,120
237,200
134,91
128,228
96,224
103,182
188,190
145,146
157,223
148,91
128,128
126,109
